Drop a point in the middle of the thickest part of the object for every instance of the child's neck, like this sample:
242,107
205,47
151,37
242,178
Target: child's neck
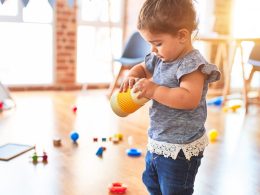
187,49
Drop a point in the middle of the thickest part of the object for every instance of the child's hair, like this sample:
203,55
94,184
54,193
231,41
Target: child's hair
167,16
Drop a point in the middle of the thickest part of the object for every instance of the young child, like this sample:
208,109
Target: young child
175,76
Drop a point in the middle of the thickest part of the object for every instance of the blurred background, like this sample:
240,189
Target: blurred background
65,44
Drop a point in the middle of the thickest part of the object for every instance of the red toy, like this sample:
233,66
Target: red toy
117,188
1,106
74,109
44,157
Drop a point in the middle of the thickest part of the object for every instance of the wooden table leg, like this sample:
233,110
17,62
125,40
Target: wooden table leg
228,70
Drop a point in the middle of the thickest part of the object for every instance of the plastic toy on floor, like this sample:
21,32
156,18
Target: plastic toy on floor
57,142
74,109
233,108
100,151
35,157
217,101
125,103
117,188
133,152
74,136
213,135
1,106
6,101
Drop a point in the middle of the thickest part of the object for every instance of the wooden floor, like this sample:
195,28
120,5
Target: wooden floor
231,166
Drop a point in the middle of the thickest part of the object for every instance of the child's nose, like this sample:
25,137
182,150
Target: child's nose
153,49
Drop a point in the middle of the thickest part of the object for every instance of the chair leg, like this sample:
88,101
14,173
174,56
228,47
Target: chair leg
247,88
113,84
251,75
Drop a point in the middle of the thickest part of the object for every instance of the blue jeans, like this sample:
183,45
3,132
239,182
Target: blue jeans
166,176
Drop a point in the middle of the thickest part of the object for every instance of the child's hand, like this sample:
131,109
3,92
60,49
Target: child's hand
146,88
128,83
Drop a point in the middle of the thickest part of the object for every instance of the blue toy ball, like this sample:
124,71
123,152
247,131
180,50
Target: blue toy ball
74,136
133,152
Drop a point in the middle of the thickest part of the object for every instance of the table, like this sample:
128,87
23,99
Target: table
227,47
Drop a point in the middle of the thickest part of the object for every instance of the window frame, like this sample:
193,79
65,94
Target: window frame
16,18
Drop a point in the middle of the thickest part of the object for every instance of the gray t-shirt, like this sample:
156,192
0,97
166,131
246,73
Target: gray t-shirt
178,126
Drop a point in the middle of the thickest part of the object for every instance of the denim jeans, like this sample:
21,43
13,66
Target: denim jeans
166,176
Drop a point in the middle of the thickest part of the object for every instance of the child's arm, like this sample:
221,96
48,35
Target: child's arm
187,96
137,72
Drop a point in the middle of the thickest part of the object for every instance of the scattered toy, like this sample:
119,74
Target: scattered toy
133,152
35,157
119,136
74,109
57,142
217,101
117,188
115,140
100,151
44,157
1,106
74,136
213,135
233,108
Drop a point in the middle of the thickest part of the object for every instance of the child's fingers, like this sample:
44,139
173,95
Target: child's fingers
140,95
135,89
122,87
125,86
131,83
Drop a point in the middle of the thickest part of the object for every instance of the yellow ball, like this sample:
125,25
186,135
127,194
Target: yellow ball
125,103
213,135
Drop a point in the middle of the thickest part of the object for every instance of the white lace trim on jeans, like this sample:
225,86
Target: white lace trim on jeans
172,150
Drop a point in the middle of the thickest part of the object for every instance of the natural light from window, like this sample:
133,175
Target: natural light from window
26,43
245,24
10,8
245,18
99,39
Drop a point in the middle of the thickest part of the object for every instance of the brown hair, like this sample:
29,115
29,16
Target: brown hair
167,16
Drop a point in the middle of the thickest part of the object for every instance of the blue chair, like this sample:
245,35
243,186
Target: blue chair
134,53
254,60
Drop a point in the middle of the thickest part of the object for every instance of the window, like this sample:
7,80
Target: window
244,24
205,14
99,39
245,15
26,39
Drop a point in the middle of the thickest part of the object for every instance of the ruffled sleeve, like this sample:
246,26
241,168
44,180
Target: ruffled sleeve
197,62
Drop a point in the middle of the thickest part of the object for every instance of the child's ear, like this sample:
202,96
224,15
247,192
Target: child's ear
183,35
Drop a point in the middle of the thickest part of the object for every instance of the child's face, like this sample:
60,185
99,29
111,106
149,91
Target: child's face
164,45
